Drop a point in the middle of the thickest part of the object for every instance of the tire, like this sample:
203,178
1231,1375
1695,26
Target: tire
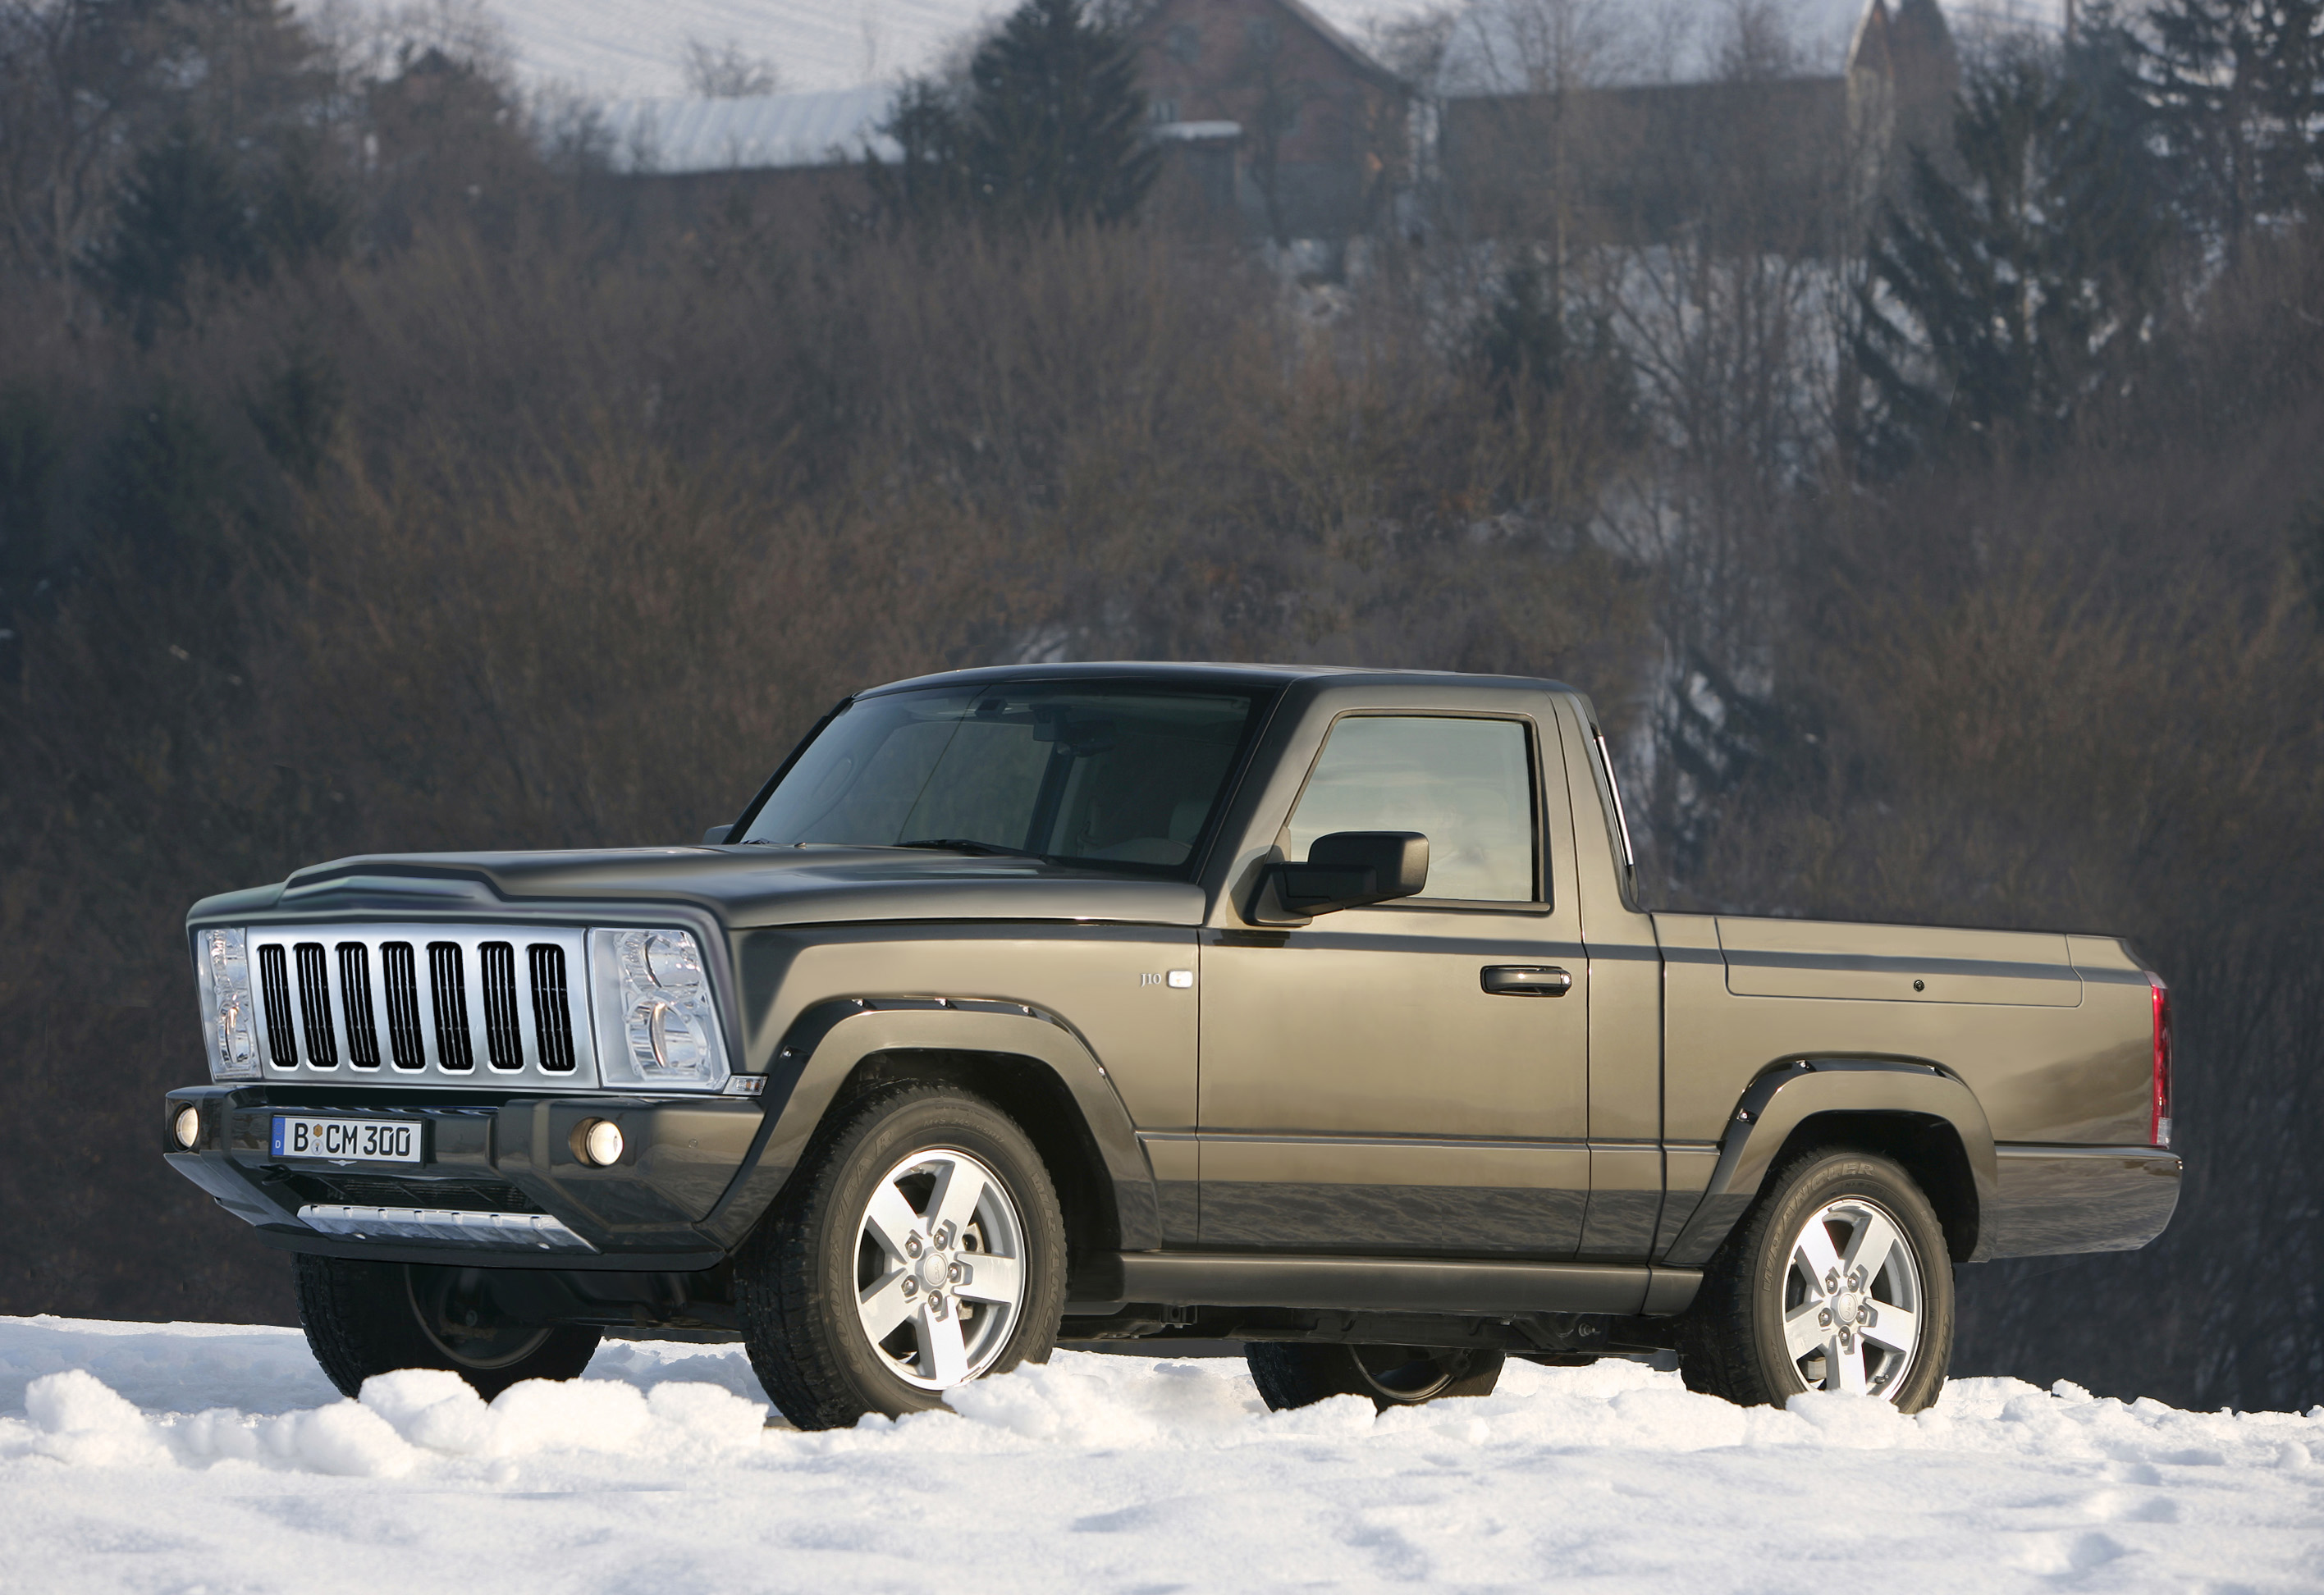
1291,1374
366,1318
1797,1299
911,1194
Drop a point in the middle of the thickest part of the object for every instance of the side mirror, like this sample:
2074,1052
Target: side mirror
1349,869
716,835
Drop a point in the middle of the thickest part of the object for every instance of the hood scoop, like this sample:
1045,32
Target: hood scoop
428,888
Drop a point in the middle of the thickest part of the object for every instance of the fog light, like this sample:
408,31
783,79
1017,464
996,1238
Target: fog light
188,1127
597,1142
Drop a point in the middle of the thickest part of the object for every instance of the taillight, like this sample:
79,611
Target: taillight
2159,1121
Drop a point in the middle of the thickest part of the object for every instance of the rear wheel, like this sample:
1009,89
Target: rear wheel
366,1318
1291,1374
919,1247
1837,1279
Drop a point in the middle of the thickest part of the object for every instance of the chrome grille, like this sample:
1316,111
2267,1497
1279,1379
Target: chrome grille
552,1019
502,1042
447,988
274,994
403,1006
325,992
315,1006
355,1005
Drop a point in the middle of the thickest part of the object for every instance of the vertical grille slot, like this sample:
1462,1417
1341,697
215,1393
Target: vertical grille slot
274,993
354,1005
401,974
448,984
553,1021
315,1006
504,1041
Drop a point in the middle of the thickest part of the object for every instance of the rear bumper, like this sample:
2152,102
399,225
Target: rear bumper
497,1183
2052,1200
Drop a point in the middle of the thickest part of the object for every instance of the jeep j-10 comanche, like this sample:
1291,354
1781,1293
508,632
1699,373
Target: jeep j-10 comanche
1309,1009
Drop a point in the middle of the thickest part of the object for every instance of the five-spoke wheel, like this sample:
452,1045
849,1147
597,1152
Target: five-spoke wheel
916,1247
939,1267
1851,1300
1837,1279
1291,1374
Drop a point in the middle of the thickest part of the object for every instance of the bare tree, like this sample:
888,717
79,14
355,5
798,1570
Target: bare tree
725,70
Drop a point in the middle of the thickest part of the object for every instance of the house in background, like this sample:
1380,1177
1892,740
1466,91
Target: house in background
1594,121
1639,125
1273,117
1273,122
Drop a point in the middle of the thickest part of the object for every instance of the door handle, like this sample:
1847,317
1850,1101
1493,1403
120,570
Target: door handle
1526,979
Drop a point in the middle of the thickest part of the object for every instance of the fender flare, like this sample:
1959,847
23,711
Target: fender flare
1788,1094
826,1042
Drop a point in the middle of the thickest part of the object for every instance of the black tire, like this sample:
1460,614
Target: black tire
797,1278
1733,1341
1292,1373
366,1318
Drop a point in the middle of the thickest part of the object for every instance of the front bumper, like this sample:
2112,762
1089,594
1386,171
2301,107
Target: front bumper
497,1183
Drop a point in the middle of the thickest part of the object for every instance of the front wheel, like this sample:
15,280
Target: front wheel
366,1318
1837,1279
919,1247
1292,1373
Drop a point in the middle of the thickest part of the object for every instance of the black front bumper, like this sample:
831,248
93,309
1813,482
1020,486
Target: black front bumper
659,1208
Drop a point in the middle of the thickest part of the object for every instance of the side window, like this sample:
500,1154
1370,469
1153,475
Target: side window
1466,785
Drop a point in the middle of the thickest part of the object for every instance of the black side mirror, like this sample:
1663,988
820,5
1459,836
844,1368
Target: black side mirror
1349,869
716,835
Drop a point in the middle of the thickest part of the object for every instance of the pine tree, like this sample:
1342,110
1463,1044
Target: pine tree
2234,91
178,215
1995,301
1051,130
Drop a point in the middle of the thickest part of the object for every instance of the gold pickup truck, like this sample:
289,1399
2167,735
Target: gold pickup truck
1309,1009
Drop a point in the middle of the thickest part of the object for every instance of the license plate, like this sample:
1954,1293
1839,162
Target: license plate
347,1140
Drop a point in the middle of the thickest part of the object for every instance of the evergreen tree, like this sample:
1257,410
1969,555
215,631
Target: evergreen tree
929,176
1995,301
178,215
2234,92
1051,131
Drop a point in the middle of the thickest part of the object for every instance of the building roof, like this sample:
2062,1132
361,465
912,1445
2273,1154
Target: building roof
760,132
1346,48
1500,46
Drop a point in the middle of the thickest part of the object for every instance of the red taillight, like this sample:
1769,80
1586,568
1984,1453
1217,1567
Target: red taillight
2159,1121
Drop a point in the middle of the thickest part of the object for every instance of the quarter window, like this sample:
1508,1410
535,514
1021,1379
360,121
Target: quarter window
1466,785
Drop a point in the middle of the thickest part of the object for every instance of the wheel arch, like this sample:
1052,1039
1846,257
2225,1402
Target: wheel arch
1914,1112
1028,1063
1033,1095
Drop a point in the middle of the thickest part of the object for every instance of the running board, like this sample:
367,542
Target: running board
1105,1283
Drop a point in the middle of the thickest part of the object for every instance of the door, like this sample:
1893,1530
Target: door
1409,1078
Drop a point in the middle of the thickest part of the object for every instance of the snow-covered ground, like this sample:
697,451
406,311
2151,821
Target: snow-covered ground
207,1458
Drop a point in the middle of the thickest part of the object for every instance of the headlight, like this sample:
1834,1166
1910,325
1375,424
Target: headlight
656,1023
224,969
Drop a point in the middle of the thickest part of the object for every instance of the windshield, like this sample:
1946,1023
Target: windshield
1105,773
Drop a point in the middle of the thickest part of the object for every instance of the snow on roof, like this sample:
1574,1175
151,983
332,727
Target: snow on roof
1528,46
601,48
1188,131
754,132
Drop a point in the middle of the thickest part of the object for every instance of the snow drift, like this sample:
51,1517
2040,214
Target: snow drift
148,1457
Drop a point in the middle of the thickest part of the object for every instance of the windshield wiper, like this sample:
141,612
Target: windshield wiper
964,845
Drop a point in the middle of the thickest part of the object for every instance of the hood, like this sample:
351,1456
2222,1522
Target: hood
743,886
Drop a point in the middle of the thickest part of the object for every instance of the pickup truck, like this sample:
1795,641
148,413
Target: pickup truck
1309,1009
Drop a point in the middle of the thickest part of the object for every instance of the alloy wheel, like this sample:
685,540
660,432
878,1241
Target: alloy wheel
939,1268
1852,1300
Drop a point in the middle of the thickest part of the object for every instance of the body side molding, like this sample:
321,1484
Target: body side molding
1369,1283
827,1041
1785,1096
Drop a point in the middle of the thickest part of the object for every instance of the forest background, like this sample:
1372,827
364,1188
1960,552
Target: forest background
379,472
